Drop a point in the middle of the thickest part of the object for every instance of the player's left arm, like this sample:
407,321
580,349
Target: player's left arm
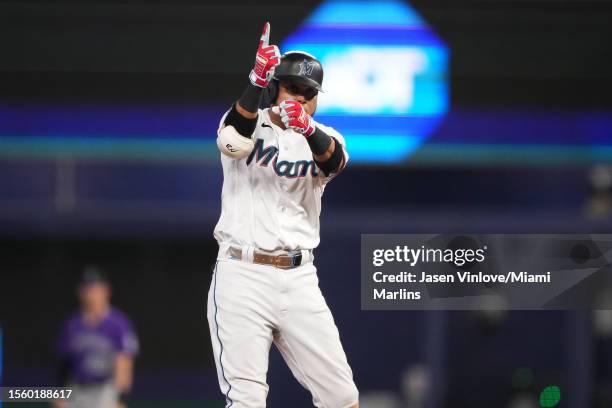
124,377
126,349
326,148
124,372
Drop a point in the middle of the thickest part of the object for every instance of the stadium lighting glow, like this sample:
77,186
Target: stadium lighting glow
385,85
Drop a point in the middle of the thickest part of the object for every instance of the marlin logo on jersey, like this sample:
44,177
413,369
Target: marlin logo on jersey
290,169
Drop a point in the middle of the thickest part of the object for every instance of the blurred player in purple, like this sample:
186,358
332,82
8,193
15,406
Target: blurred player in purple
97,346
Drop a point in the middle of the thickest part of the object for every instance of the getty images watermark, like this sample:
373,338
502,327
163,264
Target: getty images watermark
467,272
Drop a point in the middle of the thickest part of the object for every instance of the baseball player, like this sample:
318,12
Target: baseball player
97,346
276,162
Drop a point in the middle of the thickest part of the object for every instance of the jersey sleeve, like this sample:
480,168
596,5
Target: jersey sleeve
335,134
126,341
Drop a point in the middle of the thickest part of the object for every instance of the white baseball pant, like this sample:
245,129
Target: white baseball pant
251,306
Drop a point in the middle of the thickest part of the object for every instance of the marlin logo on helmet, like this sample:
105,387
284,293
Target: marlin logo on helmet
306,67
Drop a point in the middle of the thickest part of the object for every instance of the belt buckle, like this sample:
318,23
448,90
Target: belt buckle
296,260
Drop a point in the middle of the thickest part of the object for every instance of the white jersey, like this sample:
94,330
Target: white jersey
271,200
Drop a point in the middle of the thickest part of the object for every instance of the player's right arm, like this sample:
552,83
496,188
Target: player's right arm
243,115
241,120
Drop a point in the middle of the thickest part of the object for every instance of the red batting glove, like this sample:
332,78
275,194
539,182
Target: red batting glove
294,116
268,57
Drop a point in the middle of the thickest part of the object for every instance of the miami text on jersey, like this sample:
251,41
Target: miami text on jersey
290,169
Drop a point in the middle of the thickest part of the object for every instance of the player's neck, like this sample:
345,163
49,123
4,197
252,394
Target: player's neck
94,315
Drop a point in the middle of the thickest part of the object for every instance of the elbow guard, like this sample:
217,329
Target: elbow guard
233,144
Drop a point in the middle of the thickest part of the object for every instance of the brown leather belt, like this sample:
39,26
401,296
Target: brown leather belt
283,261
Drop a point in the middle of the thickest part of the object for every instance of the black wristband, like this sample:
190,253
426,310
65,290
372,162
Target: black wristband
244,126
319,142
334,163
251,98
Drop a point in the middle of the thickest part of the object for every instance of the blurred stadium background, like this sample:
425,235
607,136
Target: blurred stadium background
108,112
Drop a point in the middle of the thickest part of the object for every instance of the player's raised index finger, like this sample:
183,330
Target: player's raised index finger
265,35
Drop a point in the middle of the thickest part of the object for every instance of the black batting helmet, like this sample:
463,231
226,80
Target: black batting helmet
301,67
298,66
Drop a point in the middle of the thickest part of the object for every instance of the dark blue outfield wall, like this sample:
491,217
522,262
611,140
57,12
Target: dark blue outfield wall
99,198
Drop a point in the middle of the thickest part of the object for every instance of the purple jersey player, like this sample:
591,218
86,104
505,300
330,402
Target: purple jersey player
97,346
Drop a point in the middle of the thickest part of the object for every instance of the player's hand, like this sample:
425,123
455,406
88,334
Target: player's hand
294,116
267,58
